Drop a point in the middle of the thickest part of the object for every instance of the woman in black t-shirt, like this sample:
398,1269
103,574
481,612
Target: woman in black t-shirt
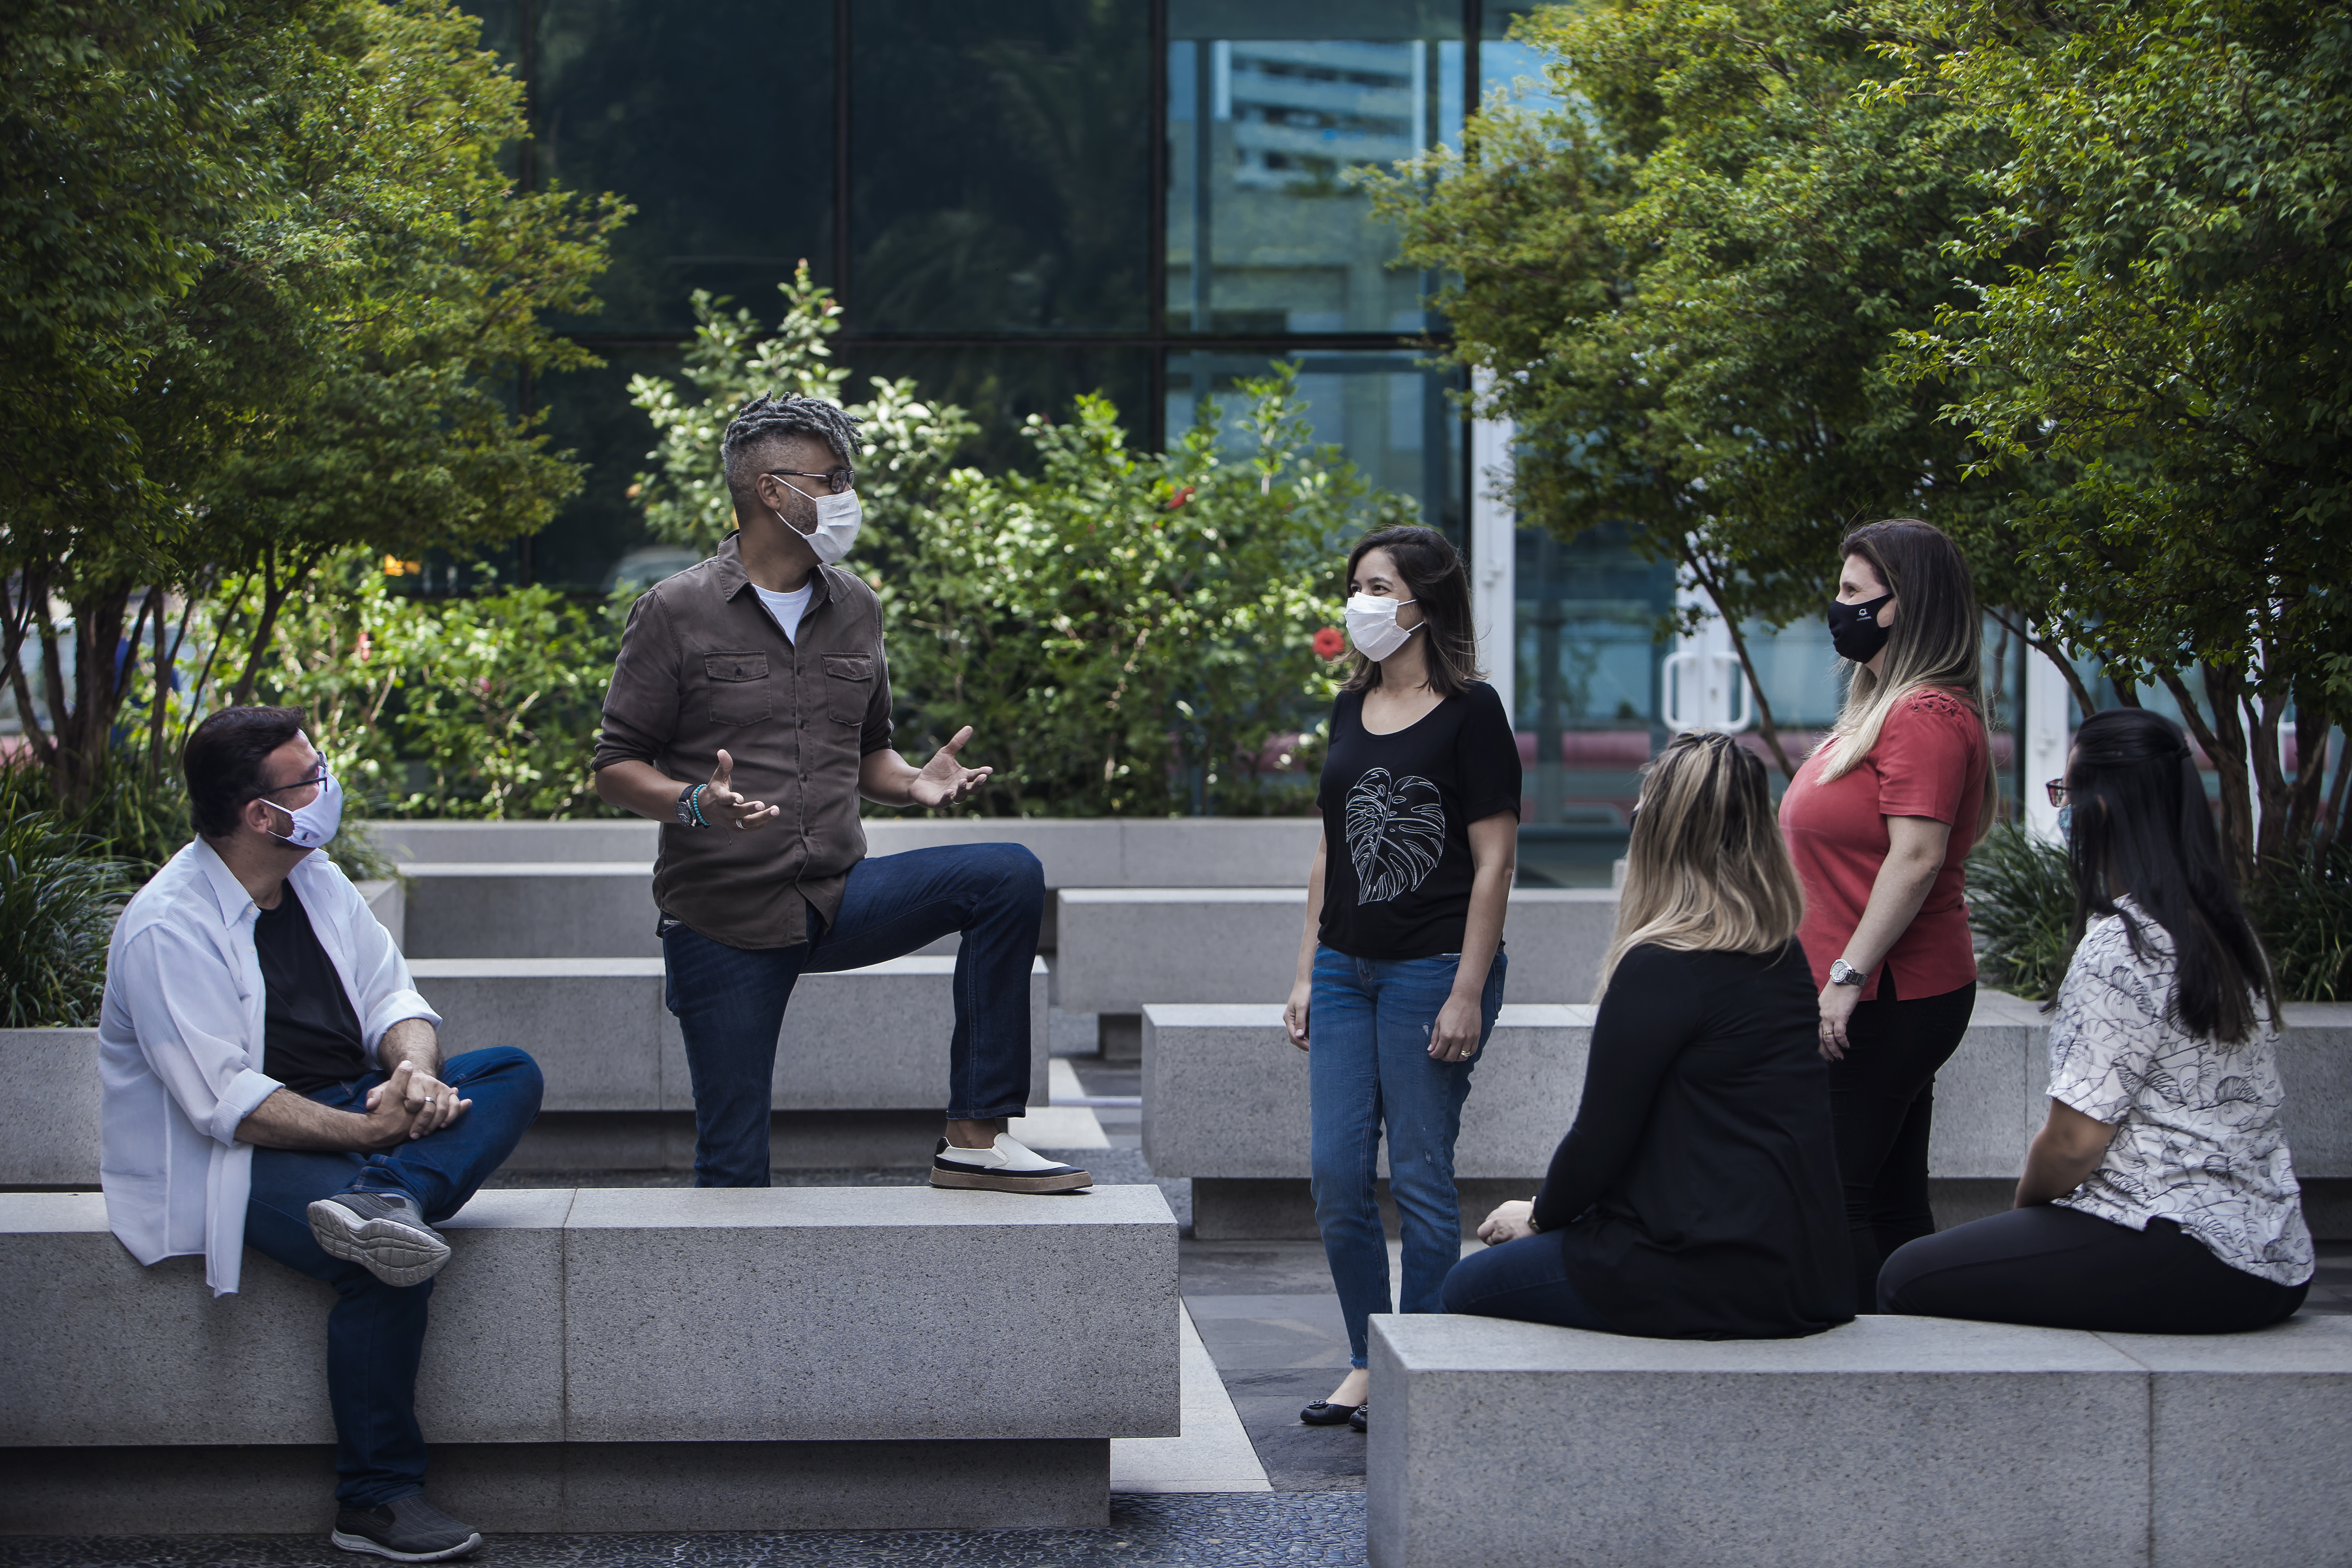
1400,966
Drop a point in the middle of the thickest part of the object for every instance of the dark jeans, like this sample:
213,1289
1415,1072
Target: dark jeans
1882,1107
2061,1268
730,1001
1368,1022
375,1331
1526,1279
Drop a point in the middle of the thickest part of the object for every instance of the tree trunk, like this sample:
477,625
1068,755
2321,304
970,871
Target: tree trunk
83,727
1764,721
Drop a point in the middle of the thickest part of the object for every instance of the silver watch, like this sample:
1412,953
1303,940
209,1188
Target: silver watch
1844,974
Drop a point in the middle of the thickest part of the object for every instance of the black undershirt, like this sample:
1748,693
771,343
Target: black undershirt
310,1035
1697,1196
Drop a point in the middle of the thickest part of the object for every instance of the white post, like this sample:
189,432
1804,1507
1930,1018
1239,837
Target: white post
2046,737
1494,554
1705,688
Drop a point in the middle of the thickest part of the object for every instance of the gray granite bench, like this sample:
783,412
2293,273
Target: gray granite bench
1224,1102
1890,1440
860,1078
793,1358
1120,949
583,890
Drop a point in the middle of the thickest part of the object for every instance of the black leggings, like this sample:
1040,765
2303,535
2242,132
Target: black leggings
1882,1106
2061,1268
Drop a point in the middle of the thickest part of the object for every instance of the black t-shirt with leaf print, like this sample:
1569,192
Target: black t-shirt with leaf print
1397,811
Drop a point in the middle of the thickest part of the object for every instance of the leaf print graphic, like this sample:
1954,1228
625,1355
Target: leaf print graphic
1396,834
2237,1089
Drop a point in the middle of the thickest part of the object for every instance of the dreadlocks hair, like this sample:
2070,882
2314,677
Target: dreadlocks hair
760,421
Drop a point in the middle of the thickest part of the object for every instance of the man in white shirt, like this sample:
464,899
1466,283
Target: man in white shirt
272,1078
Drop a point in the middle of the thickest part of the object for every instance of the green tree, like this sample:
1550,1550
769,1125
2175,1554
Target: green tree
2178,348
317,281
1687,289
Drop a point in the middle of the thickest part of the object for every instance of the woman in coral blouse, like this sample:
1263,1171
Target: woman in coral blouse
1879,821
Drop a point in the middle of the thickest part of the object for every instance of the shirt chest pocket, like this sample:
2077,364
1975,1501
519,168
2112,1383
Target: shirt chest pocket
740,692
848,686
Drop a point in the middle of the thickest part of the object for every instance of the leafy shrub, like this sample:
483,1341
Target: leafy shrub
2021,905
2021,902
58,906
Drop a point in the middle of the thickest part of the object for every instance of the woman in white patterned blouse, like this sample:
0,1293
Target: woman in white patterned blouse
2159,1197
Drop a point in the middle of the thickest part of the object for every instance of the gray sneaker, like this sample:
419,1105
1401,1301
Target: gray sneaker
383,1233
406,1529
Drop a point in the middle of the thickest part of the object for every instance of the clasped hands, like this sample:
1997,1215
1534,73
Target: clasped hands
411,1104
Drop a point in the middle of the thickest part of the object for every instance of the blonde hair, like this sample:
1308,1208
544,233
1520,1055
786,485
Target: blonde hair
1937,640
1706,869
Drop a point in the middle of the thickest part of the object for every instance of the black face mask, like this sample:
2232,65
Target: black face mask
1854,630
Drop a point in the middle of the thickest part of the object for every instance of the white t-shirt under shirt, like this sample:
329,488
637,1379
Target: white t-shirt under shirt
2197,1140
787,608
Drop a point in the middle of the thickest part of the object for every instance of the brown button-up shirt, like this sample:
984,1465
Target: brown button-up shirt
702,666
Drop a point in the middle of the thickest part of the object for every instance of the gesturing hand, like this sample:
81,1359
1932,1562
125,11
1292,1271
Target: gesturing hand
945,780
722,807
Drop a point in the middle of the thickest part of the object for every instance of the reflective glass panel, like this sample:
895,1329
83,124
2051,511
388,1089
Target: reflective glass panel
599,538
1000,170
1270,107
1001,387
715,120
1505,65
1390,414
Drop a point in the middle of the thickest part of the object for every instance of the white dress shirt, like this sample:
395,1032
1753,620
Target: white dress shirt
180,1045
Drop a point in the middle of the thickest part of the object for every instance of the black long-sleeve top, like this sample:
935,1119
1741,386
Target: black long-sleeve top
1696,1197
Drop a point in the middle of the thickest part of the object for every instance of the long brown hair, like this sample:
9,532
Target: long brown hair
1937,640
1433,569
1705,867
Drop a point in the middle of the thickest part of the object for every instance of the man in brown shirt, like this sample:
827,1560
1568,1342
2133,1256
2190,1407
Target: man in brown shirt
750,709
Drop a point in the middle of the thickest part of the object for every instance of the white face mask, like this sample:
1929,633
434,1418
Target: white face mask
837,517
315,823
1372,624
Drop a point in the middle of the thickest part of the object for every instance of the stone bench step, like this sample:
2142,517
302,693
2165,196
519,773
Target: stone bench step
617,1359
1911,1440
861,1071
1117,949
1098,853
1224,1102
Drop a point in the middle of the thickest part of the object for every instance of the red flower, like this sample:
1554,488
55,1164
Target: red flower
366,646
1329,643
1179,498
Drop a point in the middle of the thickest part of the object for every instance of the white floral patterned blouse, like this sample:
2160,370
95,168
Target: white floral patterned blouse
2197,1140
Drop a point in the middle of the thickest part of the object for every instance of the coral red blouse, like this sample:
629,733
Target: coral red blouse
1930,760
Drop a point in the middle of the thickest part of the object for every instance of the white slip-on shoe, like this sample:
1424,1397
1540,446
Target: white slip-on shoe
1004,1166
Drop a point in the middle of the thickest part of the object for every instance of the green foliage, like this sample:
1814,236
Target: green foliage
57,905
496,698
1686,288
909,444
1121,629
2022,907
276,284
2180,346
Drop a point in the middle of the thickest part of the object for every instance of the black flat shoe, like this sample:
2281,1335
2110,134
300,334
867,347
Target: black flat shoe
1323,1413
1356,1419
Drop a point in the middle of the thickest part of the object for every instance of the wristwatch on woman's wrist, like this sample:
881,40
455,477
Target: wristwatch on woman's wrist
1844,974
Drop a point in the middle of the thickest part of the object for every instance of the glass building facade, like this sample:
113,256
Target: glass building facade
1021,201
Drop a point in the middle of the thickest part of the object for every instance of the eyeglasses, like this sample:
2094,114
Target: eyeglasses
837,481
318,778
2057,788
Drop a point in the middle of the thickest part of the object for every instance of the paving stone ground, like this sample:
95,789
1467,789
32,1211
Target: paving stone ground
1297,1529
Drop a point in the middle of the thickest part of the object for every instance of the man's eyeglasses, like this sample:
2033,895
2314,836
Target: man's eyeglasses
318,778
835,482
2057,788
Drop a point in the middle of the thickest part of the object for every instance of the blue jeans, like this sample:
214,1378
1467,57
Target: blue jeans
1527,1280
730,1001
375,1331
1367,1062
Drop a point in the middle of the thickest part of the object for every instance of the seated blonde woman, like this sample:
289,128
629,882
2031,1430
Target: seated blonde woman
1696,1197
